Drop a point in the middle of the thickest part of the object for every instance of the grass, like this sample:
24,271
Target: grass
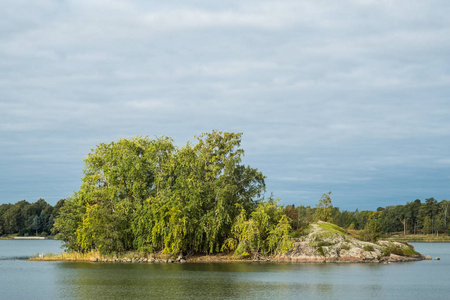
403,250
324,244
70,256
331,228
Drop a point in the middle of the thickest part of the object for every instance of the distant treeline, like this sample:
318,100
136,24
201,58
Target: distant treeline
429,217
415,217
28,219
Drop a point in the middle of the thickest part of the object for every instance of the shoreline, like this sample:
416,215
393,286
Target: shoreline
216,258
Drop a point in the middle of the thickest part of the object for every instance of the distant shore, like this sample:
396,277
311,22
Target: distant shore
420,238
27,238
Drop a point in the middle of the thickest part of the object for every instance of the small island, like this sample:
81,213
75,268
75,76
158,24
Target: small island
322,242
145,200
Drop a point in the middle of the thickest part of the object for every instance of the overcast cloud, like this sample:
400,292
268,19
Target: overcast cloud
348,96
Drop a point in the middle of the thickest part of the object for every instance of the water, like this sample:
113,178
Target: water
22,279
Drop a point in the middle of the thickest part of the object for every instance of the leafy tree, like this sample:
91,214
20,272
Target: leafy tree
324,209
372,230
427,226
37,224
161,197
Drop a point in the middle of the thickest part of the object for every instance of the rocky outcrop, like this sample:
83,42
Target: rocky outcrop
326,242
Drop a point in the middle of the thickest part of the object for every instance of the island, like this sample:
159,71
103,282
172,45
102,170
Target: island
144,199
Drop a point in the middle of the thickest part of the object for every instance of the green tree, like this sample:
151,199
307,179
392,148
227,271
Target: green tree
163,198
372,230
37,224
427,226
324,209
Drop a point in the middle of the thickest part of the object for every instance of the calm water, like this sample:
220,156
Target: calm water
21,279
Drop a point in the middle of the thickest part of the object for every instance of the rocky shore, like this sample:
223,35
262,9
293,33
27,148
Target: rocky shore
325,242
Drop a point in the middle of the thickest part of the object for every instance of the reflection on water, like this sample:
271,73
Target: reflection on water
207,281
21,279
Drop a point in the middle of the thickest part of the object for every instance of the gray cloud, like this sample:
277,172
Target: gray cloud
347,96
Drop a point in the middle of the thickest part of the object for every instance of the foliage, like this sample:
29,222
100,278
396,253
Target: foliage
147,195
345,247
368,248
320,250
372,230
324,209
27,219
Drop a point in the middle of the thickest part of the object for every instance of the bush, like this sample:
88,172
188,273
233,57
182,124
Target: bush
323,244
368,248
386,252
396,250
320,249
297,233
242,250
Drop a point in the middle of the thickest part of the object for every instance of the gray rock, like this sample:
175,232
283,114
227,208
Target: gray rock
437,258
326,243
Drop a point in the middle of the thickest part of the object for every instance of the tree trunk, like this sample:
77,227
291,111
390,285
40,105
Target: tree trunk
404,225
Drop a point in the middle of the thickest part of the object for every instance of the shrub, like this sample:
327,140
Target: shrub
386,252
368,248
320,249
242,250
297,233
345,247
323,244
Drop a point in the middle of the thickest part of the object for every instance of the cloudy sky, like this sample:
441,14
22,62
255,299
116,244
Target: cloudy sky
346,96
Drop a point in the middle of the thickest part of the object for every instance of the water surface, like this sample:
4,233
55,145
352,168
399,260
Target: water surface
20,279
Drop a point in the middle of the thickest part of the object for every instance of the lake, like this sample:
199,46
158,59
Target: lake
22,279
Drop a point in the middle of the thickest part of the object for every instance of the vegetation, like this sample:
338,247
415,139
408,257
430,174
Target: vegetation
143,195
147,195
28,219
414,221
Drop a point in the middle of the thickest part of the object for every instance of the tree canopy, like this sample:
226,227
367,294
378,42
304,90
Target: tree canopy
147,194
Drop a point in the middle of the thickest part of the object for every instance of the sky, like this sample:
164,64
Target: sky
346,96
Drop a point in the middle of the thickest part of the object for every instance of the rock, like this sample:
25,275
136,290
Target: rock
327,242
437,258
180,257
95,260
427,257
182,261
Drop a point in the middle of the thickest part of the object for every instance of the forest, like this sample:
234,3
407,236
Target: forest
147,195
28,219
